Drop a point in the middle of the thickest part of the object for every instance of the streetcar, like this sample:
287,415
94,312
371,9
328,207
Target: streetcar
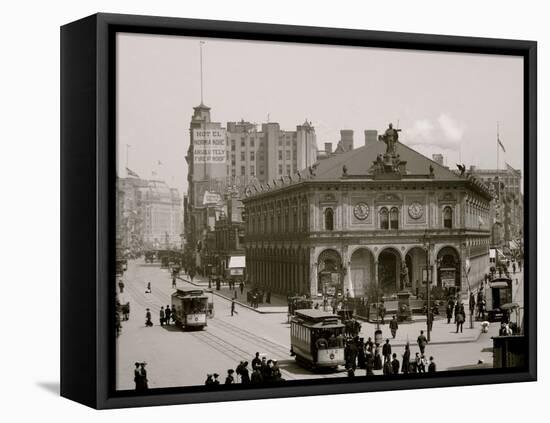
317,339
497,294
191,308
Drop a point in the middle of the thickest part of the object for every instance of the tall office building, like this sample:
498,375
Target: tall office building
268,154
227,160
507,187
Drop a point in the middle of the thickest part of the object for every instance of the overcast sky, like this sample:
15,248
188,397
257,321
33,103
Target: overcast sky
444,103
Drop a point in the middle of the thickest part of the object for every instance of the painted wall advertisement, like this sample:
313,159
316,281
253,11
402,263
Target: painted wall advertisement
209,146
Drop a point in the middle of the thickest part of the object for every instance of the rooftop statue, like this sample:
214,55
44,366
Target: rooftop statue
390,137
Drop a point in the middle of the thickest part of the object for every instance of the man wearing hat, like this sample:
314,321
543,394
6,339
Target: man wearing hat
167,314
229,379
216,381
276,371
141,376
137,376
148,321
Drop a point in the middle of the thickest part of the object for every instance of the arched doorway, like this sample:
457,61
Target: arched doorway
361,272
448,267
416,263
389,271
329,273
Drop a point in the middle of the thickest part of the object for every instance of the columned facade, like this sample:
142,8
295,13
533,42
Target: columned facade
344,228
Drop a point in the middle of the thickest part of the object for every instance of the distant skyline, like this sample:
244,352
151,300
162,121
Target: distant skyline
447,103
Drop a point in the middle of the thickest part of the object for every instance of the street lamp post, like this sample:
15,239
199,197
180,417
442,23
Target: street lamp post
427,246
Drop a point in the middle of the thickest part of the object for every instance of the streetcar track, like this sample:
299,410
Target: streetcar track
249,336
221,345
278,351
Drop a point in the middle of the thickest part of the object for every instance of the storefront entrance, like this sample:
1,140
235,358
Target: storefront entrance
389,271
448,271
330,273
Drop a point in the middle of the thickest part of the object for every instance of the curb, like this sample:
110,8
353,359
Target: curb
225,297
463,341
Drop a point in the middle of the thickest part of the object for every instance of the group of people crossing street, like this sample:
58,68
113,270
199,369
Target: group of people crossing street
368,355
263,371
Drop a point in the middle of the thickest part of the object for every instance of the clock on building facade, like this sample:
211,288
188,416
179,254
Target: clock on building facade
361,211
416,210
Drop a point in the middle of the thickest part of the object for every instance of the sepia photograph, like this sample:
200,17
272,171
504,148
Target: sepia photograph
288,212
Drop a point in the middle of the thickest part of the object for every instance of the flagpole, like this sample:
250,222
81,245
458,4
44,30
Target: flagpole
498,167
200,46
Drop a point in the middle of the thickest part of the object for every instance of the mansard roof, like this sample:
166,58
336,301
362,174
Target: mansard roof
359,164
360,160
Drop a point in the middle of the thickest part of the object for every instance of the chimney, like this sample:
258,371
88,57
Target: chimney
346,136
438,158
371,136
328,147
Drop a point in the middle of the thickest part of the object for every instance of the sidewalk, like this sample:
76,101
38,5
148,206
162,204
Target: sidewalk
278,303
442,333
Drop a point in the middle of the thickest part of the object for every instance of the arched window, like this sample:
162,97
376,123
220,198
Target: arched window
329,219
384,218
447,217
394,218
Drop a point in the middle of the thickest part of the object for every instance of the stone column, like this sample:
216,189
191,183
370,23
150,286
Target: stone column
375,278
313,276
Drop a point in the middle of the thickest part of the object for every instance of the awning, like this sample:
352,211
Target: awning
236,261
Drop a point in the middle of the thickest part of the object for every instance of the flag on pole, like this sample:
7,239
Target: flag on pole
467,266
132,173
501,145
510,168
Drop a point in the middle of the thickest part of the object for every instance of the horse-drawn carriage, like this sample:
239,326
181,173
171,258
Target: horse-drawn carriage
150,256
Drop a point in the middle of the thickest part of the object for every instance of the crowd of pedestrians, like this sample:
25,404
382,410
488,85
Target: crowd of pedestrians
261,371
370,356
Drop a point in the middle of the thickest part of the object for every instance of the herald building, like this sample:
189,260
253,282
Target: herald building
381,217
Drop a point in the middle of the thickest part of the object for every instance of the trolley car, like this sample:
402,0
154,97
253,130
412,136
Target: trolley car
191,308
498,293
317,339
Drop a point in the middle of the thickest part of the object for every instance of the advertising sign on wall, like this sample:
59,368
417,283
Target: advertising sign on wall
209,146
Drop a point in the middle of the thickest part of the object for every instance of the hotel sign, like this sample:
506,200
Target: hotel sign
209,146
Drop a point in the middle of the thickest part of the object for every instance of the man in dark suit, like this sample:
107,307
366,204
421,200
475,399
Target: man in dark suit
256,361
386,351
395,364
431,366
422,341
393,326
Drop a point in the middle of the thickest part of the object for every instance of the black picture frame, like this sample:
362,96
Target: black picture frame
88,199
